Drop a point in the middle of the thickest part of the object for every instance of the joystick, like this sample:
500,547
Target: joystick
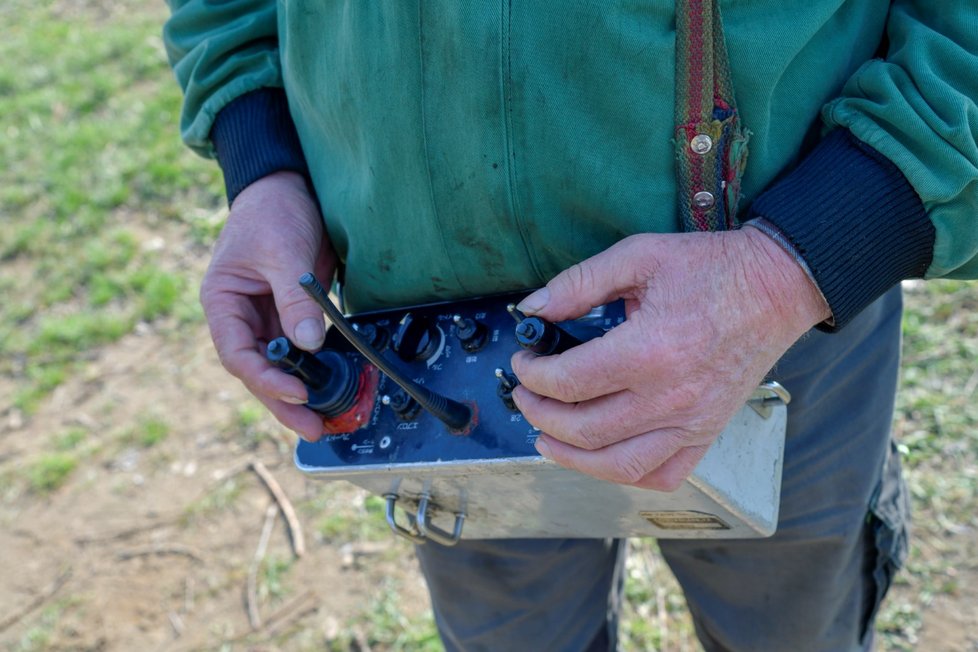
540,336
331,378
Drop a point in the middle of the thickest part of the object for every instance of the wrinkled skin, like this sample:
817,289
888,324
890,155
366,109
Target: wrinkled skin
708,315
251,294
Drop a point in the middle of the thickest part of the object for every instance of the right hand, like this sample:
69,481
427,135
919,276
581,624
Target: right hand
251,294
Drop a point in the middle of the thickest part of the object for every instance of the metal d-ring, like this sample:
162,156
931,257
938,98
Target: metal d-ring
411,535
433,532
766,396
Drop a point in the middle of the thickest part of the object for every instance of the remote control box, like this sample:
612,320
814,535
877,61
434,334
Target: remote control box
481,477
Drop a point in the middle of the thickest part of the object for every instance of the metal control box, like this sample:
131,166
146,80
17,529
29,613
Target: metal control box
491,483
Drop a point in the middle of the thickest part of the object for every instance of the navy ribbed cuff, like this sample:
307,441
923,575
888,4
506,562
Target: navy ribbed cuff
254,136
855,219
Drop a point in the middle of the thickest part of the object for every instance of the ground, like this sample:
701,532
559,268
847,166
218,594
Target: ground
131,507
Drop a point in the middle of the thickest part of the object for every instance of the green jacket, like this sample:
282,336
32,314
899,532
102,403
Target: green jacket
463,148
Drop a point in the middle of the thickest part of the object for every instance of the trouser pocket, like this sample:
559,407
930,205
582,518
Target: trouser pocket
886,538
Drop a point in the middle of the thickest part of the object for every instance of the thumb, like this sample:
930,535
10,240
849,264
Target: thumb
593,282
300,316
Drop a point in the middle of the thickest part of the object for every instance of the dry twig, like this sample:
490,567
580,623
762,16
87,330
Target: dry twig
176,622
167,519
361,640
305,603
161,549
38,600
189,594
302,605
251,590
130,532
295,528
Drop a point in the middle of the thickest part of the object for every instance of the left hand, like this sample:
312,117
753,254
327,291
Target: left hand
707,316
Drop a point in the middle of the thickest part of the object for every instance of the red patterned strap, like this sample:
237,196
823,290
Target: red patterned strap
711,147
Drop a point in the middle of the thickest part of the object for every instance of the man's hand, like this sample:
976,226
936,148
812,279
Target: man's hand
708,315
251,294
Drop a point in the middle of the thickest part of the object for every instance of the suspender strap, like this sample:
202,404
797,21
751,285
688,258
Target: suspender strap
711,147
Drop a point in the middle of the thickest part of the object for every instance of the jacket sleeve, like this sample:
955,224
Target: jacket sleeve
226,58
219,51
892,192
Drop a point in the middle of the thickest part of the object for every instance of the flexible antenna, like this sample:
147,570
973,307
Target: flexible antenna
457,416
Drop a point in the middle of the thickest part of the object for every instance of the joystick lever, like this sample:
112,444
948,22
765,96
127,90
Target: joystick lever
539,335
331,378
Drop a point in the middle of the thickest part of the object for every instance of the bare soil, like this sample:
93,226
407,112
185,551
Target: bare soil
148,548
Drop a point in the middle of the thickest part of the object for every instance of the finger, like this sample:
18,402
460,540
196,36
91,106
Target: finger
301,317
622,357
671,474
278,385
593,282
626,462
300,420
232,320
589,425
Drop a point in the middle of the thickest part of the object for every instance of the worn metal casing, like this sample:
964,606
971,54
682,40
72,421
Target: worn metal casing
733,493
494,477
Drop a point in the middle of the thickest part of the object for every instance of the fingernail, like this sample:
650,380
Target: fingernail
309,334
544,448
535,302
294,400
309,438
516,395
515,361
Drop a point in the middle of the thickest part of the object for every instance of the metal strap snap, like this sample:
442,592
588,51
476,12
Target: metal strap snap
701,144
704,199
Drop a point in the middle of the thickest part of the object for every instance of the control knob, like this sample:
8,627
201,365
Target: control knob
417,339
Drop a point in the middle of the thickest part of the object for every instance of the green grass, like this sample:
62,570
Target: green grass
383,625
70,440
50,471
150,432
89,112
60,337
42,378
253,426
222,497
39,636
338,521
937,431
272,579
653,615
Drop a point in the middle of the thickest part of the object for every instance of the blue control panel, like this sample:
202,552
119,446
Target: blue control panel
460,350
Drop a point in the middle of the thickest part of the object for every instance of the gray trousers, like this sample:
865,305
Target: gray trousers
815,585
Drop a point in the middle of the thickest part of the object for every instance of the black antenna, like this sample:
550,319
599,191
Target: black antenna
457,416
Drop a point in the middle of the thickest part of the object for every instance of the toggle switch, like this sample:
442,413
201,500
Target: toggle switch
507,383
405,407
471,334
